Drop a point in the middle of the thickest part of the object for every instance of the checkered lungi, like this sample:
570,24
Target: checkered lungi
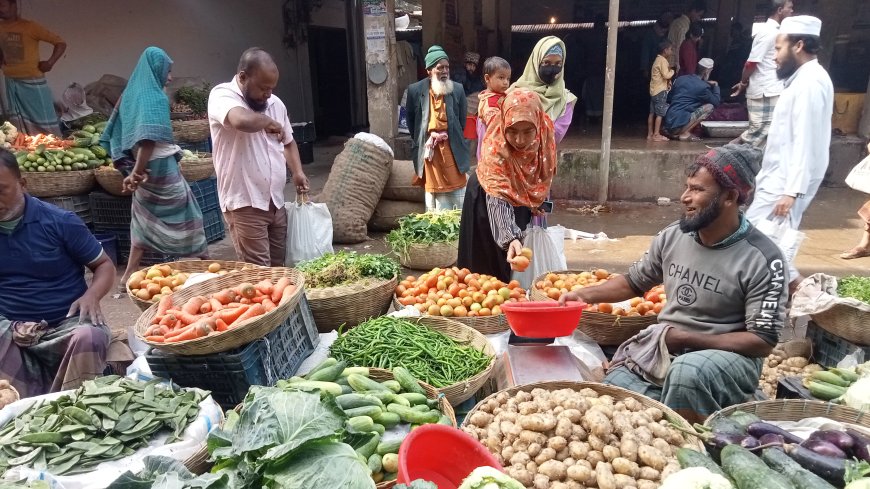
700,382
760,116
66,355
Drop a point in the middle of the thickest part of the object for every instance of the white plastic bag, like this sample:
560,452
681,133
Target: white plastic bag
546,256
309,231
787,238
859,177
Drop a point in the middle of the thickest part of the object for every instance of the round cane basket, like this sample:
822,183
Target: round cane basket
350,304
444,406
241,334
190,266
192,131
846,322
111,180
604,329
18,396
481,324
617,393
427,257
199,462
461,391
60,184
795,410
194,170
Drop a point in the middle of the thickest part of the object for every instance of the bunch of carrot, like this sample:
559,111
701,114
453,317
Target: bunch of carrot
203,316
23,141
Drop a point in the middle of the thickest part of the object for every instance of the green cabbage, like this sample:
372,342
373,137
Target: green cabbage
489,478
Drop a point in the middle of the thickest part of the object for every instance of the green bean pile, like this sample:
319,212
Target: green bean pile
106,419
388,342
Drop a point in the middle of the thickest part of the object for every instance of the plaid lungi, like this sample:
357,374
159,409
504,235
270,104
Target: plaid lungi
760,116
65,356
32,106
698,383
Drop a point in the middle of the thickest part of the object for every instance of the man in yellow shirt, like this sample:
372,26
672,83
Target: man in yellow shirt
31,105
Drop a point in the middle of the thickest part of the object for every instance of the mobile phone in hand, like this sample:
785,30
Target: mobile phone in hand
547,206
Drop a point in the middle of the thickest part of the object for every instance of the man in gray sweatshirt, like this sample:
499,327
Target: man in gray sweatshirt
727,290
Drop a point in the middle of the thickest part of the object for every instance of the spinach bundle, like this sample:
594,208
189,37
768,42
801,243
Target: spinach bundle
424,229
345,267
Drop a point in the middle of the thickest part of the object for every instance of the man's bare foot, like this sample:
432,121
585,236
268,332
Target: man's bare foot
856,252
660,139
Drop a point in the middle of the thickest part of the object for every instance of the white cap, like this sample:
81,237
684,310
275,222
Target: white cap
801,25
706,63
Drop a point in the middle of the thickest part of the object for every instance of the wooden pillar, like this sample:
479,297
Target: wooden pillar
864,125
379,29
504,28
727,10
607,119
746,13
433,23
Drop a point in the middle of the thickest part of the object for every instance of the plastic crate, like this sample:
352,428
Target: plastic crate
828,348
80,204
108,211
304,132
230,374
206,194
213,223
122,243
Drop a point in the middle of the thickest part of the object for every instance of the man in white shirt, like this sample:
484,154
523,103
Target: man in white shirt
253,147
759,75
797,152
680,26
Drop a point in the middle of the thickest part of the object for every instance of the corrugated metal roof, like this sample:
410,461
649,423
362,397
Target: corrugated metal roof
544,28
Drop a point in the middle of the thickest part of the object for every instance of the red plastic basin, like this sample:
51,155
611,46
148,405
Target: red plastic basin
542,319
442,455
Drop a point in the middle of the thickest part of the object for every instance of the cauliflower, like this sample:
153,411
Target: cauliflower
696,478
489,478
9,130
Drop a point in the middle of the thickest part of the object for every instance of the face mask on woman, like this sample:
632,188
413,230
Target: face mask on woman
548,73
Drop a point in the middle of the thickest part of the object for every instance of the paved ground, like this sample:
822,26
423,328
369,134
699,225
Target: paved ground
831,226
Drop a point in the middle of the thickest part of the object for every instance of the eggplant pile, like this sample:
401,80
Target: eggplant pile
826,459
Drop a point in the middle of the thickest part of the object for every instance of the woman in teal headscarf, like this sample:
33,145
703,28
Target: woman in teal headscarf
166,218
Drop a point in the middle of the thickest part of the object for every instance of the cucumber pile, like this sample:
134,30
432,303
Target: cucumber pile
389,409
86,153
830,384
755,454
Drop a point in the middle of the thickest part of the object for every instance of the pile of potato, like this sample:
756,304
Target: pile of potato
567,439
778,365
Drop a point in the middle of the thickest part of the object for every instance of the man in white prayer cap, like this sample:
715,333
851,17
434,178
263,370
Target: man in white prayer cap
797,152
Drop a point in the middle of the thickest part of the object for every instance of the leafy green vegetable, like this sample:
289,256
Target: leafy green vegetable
194,97
344,267
321,463
287,438
490,478
167,473
854,287
424,229
417,484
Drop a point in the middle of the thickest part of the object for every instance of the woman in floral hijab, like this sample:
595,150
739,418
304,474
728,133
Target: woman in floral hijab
513,178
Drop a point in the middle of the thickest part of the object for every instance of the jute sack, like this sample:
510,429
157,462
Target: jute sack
354,188
399,185
388,212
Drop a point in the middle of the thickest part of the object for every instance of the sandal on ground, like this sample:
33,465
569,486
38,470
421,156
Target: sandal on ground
690,139
855,252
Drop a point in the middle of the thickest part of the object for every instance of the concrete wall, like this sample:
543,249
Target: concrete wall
204,38
643,175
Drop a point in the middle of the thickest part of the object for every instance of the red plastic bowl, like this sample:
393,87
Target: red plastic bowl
442,455
542,319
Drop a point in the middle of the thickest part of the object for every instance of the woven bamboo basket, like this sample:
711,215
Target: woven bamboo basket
198,169
190,266
481,324
241,334
192,131
617,393
604,329
350,304
444,406
796,410
846,322
461,391
60,184
111,180
427,257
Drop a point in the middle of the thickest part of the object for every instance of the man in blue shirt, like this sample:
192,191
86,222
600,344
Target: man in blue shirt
693,98
52,333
